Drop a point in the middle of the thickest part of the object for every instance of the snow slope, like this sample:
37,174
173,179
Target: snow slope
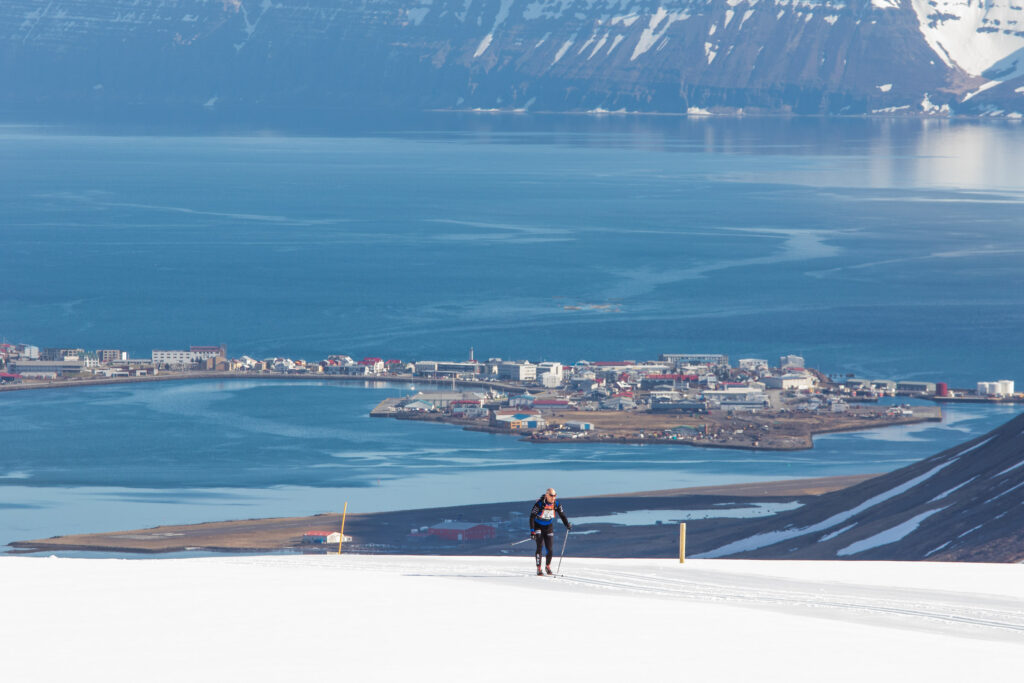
391,618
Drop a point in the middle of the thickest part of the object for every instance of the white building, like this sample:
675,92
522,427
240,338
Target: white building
28,351
753,364
161,357
198,354
1002,387
429,368
111,355
791,361
681,359
46,368
795,381
550,374
520,372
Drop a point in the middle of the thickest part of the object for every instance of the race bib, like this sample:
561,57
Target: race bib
547,514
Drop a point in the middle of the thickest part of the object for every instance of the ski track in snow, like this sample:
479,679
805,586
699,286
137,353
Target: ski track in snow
927,609
856,603
260,617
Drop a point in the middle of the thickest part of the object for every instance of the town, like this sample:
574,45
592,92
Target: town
682,398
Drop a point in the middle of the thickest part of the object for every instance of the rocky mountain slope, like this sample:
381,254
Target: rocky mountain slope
966,503
930,57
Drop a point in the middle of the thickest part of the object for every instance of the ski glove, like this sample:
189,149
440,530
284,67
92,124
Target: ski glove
534,532
568,526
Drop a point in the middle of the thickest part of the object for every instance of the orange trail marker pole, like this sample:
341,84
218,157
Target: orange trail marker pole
342,539
682,543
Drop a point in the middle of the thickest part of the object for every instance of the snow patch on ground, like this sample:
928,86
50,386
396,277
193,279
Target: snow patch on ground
562,50
546,9
1009,490
484,44
830,536
886,4
709,52
647,517
656,28
969,34
896,533
885,87
955,488
1010,468
417,15
971,530
499,19
974,447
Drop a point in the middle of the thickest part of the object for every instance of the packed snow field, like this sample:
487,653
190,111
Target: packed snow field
390,618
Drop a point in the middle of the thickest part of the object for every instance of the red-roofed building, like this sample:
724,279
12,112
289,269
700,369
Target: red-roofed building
463,531
374,365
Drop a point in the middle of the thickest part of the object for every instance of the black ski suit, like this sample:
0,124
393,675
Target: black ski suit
542,528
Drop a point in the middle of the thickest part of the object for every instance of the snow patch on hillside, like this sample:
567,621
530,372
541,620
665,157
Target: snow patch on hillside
974,35
709,52
484,44
656,28
896,533
762,540
562,50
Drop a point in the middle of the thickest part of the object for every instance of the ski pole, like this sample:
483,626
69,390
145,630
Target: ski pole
559,569
522,541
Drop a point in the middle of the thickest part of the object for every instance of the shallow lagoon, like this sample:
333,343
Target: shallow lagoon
114,457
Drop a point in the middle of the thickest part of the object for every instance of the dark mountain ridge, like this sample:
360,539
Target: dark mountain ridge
964,504
778,56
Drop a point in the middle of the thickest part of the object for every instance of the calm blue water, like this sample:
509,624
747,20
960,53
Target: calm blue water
881,248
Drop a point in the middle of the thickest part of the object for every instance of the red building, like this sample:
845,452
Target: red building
463,531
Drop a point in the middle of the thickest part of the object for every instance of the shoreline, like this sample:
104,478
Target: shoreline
388,532
782,443
213,375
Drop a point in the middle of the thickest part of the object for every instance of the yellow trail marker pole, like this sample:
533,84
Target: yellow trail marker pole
682,543
342,539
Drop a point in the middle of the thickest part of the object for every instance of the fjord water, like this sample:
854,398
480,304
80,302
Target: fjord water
880,248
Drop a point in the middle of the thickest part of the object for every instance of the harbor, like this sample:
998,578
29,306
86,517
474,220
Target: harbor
676,399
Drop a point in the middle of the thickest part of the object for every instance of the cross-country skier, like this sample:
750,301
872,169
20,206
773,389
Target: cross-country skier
541,527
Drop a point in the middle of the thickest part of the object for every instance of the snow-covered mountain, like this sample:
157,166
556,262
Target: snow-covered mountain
804,56
966,503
